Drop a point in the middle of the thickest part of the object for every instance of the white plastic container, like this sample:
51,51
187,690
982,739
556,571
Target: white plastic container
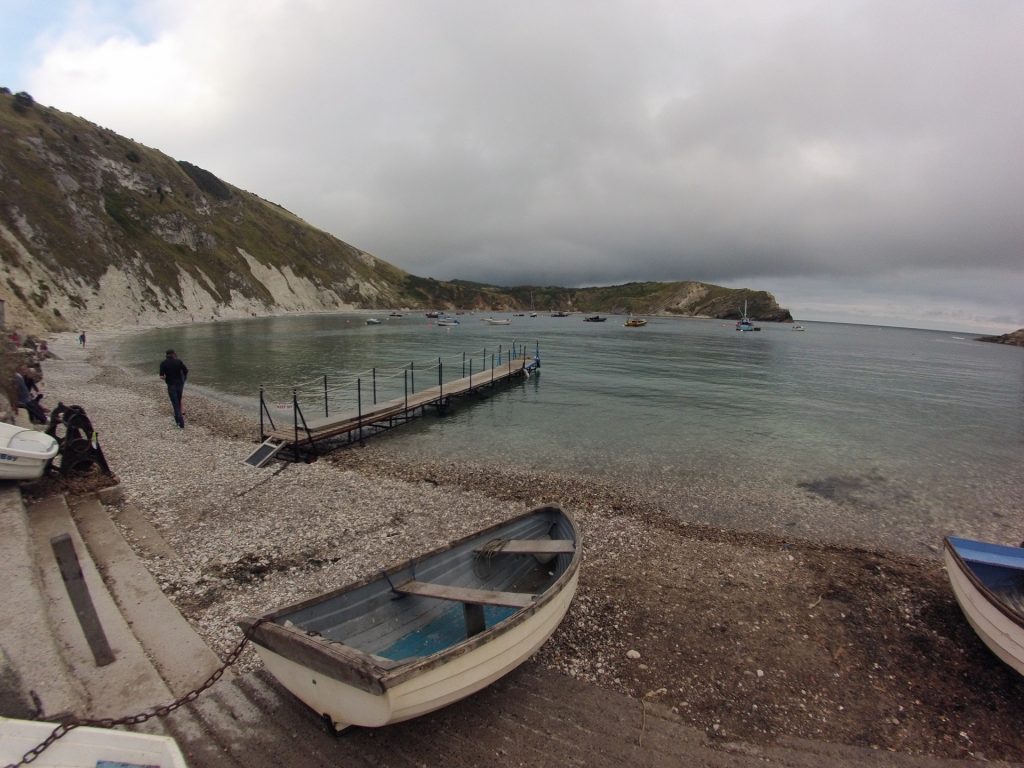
24,452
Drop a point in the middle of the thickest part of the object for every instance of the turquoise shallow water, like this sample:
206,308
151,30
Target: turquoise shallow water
880,425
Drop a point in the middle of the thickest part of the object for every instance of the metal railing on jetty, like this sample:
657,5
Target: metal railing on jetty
321,413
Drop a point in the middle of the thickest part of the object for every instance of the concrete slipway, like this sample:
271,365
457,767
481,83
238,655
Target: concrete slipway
533,716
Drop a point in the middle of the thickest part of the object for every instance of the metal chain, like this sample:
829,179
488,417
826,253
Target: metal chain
162,711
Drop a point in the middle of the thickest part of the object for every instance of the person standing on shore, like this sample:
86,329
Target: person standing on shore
81,339
174,372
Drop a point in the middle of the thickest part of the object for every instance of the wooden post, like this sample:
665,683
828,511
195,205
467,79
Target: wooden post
78,592
263,405
326,414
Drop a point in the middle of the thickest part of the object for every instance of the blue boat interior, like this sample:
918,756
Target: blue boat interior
998,566
451,595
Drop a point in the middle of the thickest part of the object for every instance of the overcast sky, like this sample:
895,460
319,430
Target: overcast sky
863,161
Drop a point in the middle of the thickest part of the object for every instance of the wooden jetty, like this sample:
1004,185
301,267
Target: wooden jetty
306,436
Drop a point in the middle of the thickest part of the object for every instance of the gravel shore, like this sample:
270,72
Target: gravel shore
746,634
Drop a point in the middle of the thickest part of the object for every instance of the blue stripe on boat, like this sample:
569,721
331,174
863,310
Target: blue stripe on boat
985,553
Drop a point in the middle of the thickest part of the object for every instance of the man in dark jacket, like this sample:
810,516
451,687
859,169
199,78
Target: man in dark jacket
174,372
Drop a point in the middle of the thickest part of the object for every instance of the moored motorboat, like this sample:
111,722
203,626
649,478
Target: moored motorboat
594,319
372,321
635,322
745,323
497,321
24,453
430,631
447,321
988,582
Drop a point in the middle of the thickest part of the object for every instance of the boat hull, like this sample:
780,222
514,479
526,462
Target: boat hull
463,676
998,624
24,453
430,631
86,746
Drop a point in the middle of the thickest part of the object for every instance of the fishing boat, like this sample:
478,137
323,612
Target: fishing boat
745,323
798,328
988,582
447,321
559,313
635,322
24,453
372,321
427,632
497,321
396,313
86,746
594,319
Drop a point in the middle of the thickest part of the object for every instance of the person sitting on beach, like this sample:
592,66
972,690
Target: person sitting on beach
24,384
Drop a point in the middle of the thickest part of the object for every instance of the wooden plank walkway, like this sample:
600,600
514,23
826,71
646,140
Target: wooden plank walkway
401,409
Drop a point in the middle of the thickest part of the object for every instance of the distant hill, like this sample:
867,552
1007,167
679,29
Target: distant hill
1015,339
99,230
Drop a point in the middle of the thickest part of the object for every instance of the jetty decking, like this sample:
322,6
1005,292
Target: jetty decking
304,434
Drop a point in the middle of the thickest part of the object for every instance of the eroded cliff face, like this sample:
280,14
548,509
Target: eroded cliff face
97,230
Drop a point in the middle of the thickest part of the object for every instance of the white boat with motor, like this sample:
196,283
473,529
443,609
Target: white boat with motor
24,453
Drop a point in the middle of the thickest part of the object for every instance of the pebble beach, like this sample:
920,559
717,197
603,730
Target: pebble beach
743,633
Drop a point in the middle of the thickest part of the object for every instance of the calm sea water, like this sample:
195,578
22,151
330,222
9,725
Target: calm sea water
842,431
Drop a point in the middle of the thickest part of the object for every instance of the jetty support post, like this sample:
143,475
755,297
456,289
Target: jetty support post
440,382
326,414
359,408
499,354
374,371
463,365
492,368
471,375
81,600
263,404
405,380
412,376
295,421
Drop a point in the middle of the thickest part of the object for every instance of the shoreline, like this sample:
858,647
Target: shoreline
744,634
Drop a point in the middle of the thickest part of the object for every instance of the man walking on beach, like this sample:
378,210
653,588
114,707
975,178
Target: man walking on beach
174,372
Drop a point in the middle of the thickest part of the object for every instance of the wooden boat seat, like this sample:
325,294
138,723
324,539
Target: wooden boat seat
466,594
530,547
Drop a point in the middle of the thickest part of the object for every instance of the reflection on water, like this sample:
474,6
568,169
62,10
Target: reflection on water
929,422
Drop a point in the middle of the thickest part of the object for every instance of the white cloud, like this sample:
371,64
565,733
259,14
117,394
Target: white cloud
865,143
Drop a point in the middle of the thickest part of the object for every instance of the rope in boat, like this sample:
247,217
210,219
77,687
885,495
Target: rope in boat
68,725
482,565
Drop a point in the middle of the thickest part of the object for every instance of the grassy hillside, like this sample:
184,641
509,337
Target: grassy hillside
95,225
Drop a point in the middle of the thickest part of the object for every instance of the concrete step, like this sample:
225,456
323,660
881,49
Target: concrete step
180,656
34,680
131,683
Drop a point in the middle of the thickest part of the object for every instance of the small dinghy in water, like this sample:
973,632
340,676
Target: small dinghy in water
430,631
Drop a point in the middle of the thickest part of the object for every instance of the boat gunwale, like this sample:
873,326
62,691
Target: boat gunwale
349,665
963,566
